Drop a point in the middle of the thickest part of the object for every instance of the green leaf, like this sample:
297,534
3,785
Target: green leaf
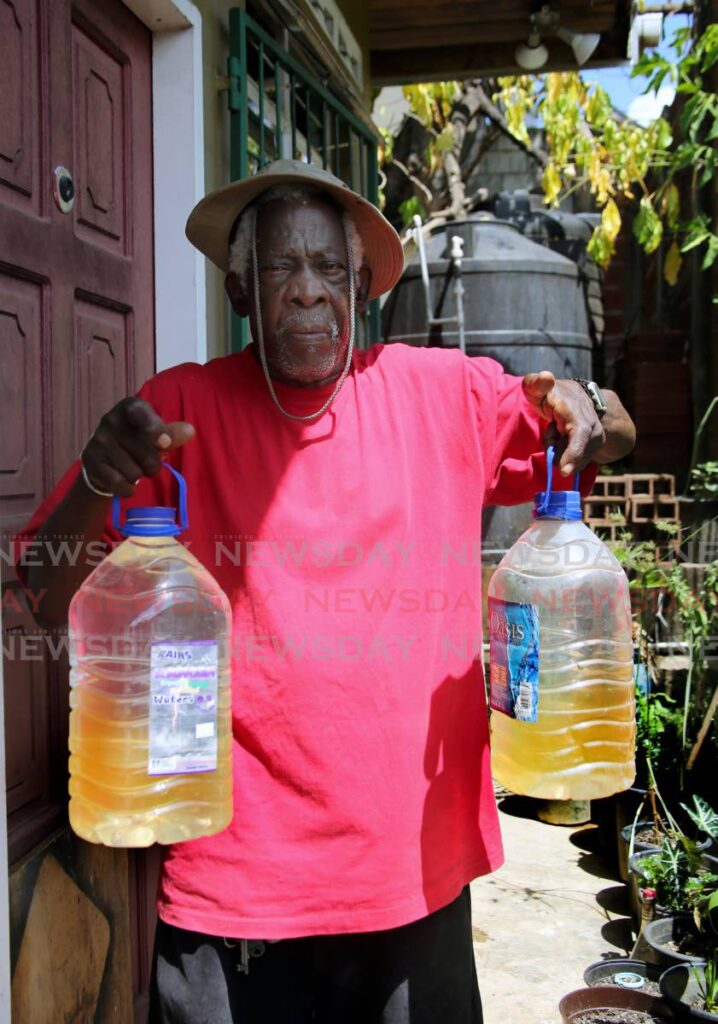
647,226
703,816
409,208
711,253
445,141
671,205
663,133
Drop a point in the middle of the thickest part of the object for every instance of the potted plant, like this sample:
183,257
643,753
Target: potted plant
686,938
679,866
692,989
675,940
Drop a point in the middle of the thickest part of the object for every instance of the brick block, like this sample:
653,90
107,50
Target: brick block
646,509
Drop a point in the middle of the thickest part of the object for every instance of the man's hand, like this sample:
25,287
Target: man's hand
574,426
127,445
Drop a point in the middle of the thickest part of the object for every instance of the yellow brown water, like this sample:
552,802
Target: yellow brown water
581,745
150,595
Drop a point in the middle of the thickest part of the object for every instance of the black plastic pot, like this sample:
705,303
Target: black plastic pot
604,997
625,973
626,807
670,929
679,988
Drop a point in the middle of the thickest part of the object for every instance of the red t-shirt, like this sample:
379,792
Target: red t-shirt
349,547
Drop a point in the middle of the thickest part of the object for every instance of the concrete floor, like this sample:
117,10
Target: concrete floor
553,908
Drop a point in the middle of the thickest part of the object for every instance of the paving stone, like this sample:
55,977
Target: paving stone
537,920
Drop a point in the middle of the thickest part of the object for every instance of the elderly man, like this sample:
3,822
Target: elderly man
336,496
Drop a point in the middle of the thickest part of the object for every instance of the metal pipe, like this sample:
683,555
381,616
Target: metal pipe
457,253
681,8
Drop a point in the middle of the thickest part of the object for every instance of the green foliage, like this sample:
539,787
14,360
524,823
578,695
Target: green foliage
704,480
707,981
659,722
701,898
409,208
648,226
703,816
590,145
675,870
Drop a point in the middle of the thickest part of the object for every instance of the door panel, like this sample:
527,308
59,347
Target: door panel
104,365
100,132
19,79
21,395
76,312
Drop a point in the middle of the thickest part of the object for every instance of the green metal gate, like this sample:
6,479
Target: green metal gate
279,111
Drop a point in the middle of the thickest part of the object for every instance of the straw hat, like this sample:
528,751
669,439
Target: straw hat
210,223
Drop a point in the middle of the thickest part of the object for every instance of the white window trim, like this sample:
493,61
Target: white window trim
178,177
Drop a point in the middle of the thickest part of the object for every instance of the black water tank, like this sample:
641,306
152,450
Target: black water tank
523,303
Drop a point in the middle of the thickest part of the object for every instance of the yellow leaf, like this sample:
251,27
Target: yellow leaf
611,220
551,183
672,265
671,205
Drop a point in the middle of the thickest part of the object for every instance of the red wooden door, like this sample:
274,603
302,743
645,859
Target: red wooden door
76,318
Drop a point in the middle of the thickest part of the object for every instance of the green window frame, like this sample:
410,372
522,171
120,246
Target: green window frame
278,110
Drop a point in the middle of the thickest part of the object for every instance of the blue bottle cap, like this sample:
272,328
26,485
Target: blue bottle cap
550,504
153,520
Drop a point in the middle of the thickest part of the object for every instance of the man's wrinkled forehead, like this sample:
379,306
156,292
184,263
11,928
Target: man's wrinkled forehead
288,195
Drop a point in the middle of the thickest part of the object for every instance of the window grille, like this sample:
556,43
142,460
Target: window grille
278,110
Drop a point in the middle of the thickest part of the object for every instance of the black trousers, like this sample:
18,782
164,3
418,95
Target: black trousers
420,973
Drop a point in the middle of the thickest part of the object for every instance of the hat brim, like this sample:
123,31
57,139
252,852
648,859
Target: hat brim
210,224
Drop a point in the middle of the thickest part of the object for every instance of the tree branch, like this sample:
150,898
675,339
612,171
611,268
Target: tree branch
490,110
416,182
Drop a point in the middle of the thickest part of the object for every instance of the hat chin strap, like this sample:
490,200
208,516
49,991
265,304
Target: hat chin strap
260,331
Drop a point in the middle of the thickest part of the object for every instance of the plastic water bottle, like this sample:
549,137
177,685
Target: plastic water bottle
150,720
561,659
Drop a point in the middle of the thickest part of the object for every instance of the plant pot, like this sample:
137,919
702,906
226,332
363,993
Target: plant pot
636,881
710,858
626,807
680,987
638,847
605,997
632,974
680,928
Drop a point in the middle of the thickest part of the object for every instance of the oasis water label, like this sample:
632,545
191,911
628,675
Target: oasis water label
514,659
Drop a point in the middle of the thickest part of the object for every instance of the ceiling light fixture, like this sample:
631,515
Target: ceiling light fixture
532,54
582,45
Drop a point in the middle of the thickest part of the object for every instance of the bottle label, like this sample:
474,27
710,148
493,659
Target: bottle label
183,708
514,658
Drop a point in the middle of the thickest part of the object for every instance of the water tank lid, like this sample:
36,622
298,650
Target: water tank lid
550,504
150,521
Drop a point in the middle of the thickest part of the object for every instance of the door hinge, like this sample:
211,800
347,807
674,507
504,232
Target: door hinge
231,83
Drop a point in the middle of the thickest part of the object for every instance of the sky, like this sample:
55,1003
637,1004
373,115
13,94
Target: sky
625,92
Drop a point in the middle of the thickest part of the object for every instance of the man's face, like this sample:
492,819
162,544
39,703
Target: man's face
304,291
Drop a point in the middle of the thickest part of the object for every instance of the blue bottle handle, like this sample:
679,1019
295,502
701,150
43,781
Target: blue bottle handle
550,456
182,507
